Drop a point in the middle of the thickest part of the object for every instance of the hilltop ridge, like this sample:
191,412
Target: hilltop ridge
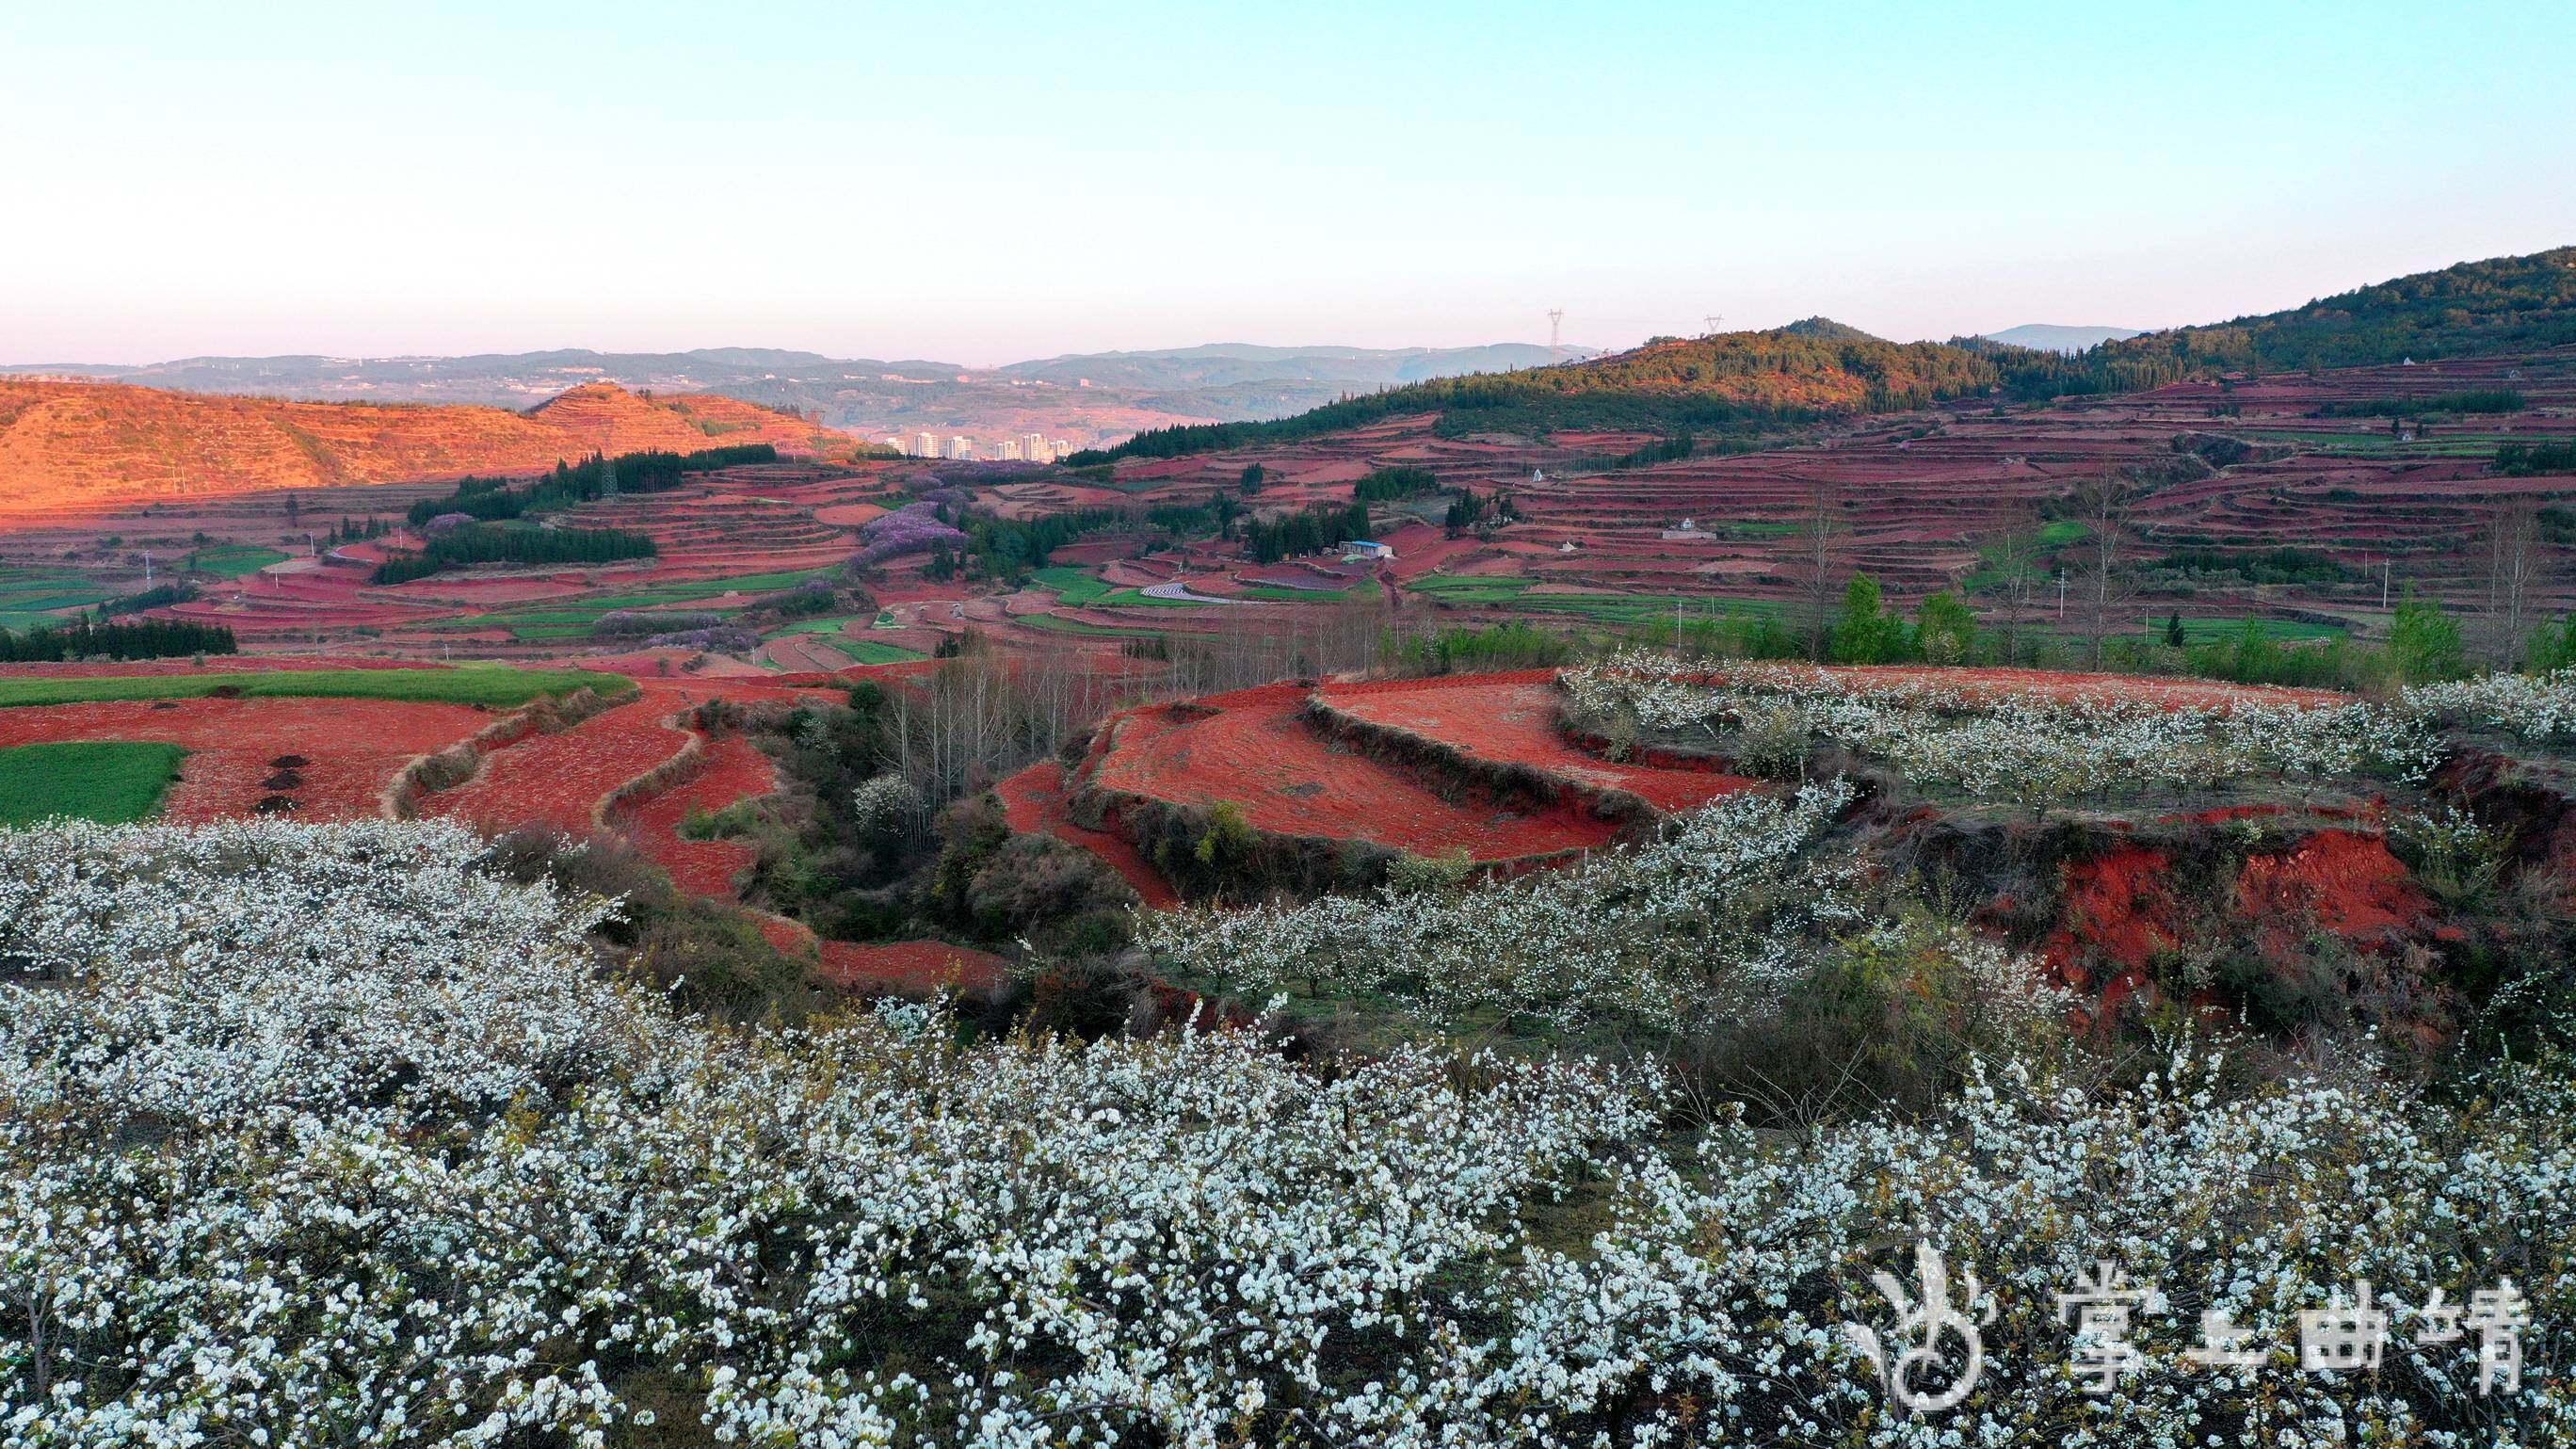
80,445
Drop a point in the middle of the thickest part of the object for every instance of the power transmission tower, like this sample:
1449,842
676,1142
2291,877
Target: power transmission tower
1555,328
1712,320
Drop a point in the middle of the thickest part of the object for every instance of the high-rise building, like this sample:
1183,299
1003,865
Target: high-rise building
961,448
1007,450
925,445
896,443
1033,447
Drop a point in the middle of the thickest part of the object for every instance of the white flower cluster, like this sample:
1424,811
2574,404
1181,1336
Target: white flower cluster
1725,1281
2025,748
1713,915
2537,707
548,1210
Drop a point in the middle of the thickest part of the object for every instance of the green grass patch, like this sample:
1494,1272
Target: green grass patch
1058,624
1471,588
113,781
2279,631
494,686
232,563
875,651
1073,587
1281,594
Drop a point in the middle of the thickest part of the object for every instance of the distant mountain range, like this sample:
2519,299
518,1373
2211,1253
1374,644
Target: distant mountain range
1085,397
2051,337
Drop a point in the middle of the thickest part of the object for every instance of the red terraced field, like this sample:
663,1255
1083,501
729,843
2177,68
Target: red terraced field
558,781
731,769
1512,719
1033,801
912,968
1255,749
352,748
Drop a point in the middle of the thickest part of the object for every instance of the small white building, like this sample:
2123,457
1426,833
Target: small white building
1367,548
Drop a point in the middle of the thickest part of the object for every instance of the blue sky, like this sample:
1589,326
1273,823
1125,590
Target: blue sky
983,182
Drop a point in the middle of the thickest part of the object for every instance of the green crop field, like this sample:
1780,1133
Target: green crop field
107,780
1056,624
493,686
873,651
2279,631
232,563
1074,587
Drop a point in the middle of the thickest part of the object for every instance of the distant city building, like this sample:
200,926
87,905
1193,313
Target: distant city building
1033,448
1007,450
961,448
925,445
1062,447
896,443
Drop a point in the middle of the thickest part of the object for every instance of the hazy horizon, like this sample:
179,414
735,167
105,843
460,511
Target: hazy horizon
1007,182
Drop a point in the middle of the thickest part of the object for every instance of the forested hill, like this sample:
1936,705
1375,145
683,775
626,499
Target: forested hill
1729,382
1740,382
2507,304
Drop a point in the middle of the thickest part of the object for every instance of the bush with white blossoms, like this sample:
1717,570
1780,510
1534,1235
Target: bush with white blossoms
2536,707
1715,914
2035,750
515,1201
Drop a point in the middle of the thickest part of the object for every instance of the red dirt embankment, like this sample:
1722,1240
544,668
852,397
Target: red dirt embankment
2122,907
730,768
83,445
1033,802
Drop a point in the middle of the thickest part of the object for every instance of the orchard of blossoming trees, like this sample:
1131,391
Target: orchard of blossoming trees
331,1135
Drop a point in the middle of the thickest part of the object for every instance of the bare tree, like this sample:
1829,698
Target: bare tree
1818,572
2516,569
2103,587
2016,553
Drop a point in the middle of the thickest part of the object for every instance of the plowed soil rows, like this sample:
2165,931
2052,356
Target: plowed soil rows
732,769
1512,719
1255,749
352,748
1033,801
556,781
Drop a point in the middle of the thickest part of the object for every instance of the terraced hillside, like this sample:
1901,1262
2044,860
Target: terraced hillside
2376,468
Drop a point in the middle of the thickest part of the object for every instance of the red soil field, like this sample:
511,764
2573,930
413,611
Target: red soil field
353,748
1512,719
911,968
730,769
559,781
1253,748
